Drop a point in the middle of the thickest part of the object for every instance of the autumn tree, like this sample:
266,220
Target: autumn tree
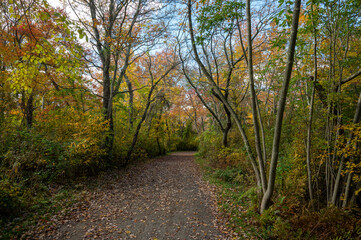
38,45
333,75
117,36
259,169
156,75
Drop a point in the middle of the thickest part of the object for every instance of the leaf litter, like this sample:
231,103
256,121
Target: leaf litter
164,198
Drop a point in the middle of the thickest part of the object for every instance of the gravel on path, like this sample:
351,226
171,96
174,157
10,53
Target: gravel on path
164,198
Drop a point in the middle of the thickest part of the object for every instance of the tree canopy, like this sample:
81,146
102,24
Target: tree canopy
269,88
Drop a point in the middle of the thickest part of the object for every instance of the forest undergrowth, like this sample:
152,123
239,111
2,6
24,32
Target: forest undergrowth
40,177
289,216
269,92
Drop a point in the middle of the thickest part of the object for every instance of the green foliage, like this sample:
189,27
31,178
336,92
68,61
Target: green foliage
239,202
330,223
209,142
228,175
27,156
29,207
42,78
236,199
11,202
188,141
217,156
56,150
218,14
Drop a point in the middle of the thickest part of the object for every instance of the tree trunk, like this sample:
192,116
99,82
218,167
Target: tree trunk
347,189
253,100
227,128
225,102
263,137
280,111
308,148
29,110
131,96
310,119
27,106
108,110
136,133
336,187
149,101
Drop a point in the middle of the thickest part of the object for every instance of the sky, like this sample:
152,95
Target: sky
60,3
55,3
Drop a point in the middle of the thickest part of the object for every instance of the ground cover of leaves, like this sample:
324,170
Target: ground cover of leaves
164,198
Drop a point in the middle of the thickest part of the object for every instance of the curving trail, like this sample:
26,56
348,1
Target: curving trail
161,199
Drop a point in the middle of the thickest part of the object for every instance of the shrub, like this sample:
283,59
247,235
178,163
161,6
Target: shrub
11,202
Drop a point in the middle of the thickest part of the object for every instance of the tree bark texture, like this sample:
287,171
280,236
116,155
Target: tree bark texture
266,200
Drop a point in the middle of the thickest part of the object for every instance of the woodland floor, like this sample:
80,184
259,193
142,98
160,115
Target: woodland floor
164,198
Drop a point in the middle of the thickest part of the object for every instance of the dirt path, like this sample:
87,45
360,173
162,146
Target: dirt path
162,199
